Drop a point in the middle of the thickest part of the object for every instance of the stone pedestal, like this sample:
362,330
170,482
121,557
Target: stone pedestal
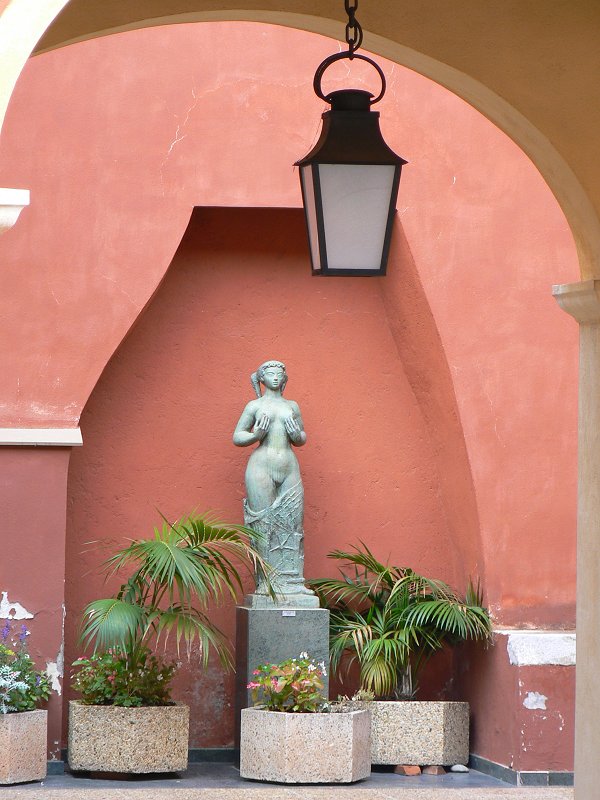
270,635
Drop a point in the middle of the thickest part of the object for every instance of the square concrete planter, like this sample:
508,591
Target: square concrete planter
139,740
23,746
419,732
305,748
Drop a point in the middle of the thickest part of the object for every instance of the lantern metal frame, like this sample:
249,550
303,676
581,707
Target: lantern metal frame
350,135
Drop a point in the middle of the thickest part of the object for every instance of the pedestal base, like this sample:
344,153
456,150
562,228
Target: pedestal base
270,635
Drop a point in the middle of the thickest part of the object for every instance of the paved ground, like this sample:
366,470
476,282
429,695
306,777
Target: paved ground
222,782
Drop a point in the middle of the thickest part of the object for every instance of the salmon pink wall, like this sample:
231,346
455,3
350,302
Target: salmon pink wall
507,728
447,431
33,500
159,424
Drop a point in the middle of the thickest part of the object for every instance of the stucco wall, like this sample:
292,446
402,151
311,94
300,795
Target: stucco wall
446,435
158,426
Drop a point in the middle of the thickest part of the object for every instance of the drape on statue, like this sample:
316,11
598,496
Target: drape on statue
283,543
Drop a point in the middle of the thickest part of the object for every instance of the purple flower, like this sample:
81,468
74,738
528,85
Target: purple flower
24,633
5,631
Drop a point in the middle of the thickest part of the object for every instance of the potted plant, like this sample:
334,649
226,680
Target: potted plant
391,621
23,727
125,720
293,735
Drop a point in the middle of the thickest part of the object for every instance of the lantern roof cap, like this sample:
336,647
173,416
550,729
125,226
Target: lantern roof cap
350,100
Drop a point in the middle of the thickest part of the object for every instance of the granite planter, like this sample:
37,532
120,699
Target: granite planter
137,740
419,732
305,748
23,746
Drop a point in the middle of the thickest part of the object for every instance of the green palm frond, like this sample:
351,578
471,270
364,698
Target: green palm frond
190,625
454,618
187,565
380,664
134,590
381,575
413,586
371,580
112,623
474,594
336,592
352,630
391,620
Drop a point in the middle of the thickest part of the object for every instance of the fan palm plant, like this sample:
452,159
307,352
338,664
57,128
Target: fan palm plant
187,565
391,620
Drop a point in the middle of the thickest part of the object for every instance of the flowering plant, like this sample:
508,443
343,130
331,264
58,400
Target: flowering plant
293,685
176,574
109,679
22,687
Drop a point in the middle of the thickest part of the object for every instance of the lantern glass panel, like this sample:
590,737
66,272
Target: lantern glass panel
356,205
311,215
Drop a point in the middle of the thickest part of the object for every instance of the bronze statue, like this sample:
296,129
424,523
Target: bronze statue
274,504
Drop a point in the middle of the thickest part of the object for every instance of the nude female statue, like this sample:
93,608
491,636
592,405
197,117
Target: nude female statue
275,496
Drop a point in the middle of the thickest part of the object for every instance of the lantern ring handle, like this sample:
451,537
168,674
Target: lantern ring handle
337,57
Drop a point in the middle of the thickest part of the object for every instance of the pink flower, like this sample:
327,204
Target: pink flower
253,685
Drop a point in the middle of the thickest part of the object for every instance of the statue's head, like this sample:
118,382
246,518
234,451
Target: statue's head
258,377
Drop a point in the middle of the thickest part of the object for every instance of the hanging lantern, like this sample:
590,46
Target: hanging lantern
350,178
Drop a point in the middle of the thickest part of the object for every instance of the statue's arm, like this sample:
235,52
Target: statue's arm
243,434
295,426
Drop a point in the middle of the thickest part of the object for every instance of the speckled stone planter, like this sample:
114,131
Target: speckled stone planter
23,746
419,732
114,739
305,748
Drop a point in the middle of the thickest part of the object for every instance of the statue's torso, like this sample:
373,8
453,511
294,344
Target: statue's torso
275,449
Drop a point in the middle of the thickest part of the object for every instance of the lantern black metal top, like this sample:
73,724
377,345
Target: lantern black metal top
350,178
350,133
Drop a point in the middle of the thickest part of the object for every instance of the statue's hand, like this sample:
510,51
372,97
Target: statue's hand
294,430
261,427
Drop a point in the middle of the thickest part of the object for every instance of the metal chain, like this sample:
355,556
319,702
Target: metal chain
354,37
354,33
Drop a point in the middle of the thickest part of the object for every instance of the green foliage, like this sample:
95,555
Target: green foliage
295,685
391,620
176,575
105,679
22,687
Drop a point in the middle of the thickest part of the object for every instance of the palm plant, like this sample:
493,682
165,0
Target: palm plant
391,620
187,565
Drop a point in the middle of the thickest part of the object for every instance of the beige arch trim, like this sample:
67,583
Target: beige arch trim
22,24
12,202
40,437
24,21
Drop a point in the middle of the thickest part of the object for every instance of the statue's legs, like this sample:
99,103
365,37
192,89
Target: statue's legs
283,544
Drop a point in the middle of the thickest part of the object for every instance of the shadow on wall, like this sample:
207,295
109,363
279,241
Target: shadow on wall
157,428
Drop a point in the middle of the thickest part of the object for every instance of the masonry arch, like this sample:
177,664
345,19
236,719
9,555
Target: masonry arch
480,58
562,156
